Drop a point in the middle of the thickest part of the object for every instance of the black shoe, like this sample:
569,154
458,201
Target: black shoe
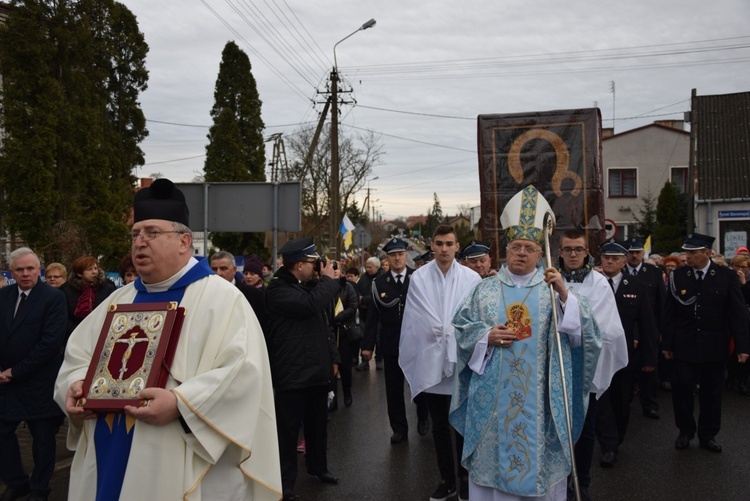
423,427
710,445
608,459
744,390
443,492
328,478
463,491
651,413
397,438
348,399
12,493
682,442
289,496
364,366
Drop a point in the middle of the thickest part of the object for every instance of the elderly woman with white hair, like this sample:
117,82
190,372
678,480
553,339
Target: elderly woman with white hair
364,286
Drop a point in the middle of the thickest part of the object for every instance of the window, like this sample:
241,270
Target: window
679,178
622,183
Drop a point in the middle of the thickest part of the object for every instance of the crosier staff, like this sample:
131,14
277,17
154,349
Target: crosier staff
549,226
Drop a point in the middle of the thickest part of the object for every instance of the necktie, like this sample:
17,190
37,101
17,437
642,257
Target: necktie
398,279
611,284
699,276
20,304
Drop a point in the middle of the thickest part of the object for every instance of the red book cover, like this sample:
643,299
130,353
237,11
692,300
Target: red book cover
135,351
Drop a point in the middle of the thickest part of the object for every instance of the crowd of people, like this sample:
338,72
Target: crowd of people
515,370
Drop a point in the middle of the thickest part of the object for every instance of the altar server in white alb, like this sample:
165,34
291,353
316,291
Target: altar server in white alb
211,434
508,400
427,349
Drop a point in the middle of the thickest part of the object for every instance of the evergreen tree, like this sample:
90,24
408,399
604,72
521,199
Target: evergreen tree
434,217
645,224
669,232
236,151
72,73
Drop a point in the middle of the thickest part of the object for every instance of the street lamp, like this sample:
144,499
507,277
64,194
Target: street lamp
334,227
366,205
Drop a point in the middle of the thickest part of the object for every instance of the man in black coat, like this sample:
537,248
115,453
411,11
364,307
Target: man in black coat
32,336
650,275
303,358
388,294
223,264
704,311
642,337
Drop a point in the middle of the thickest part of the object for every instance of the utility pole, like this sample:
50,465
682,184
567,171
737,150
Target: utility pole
335,195
278,162
335,163
612,88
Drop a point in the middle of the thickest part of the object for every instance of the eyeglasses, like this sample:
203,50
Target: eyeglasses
528,249
148,235
571,250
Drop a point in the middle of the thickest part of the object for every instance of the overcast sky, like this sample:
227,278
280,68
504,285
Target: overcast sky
447,58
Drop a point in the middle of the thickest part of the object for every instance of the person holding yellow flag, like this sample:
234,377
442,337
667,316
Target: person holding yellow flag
346,334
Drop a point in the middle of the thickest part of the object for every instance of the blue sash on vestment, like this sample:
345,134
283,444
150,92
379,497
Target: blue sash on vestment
113,445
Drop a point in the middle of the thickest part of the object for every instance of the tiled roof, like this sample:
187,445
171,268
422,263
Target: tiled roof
721,127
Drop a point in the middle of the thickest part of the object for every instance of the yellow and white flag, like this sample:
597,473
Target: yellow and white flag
347,230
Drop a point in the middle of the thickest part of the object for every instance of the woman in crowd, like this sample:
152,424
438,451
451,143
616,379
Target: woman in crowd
364,289
126,269
671,263
346,332
738,372
55,274
86,288
252,272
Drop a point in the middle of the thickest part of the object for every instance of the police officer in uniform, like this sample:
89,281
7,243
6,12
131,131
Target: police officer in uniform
651,276
704,311
387,310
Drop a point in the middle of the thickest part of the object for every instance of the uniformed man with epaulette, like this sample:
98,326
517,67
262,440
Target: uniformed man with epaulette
478,258
703,312
422,260
387,310
651,275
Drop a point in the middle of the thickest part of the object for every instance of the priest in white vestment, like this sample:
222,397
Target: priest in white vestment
508,399
211,433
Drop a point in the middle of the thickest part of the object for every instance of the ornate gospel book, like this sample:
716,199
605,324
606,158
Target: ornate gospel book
135,351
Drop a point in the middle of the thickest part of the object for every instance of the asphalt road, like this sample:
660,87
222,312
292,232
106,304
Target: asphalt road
649,467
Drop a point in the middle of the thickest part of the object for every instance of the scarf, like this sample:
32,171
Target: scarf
579,275
85,301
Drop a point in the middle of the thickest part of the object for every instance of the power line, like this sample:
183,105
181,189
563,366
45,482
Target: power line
301,38
551,57
330,64
408,139
595,69
270,65
174,160
414,113
268,42
208,126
